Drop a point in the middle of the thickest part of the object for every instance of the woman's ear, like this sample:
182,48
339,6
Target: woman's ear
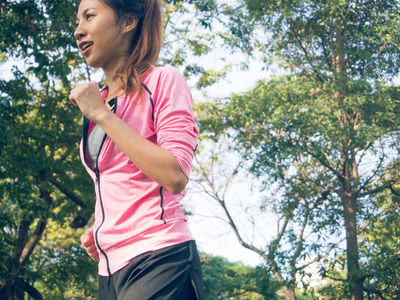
130,23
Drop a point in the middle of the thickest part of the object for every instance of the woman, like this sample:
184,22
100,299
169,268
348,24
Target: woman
138,144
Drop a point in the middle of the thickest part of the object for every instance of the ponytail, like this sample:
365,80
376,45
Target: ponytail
145,48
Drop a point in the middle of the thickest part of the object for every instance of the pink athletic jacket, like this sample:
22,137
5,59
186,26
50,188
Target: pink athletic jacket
133,213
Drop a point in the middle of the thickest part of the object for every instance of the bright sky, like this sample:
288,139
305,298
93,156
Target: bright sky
213,235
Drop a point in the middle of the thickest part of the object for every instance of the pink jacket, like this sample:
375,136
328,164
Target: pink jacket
133,213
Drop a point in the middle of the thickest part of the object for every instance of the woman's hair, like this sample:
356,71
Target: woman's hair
145,45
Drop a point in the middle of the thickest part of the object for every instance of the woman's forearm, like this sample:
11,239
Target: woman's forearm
156,162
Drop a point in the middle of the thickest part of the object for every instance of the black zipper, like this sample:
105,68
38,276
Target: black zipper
161,188
102,221
162,205
151,100
86,122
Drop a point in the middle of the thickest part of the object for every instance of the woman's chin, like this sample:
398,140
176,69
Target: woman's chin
93,64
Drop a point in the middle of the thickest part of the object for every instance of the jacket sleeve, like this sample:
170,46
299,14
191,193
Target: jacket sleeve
174,122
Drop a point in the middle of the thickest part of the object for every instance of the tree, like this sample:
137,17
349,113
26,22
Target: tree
189,35
328,131
41,176
293,247
228,280
60,268
298,143
378,248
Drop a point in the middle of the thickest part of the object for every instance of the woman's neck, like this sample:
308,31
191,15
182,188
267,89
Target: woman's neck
109,76
112,86
111,70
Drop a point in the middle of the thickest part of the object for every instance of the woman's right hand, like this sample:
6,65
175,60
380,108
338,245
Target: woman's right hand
87,97
87,240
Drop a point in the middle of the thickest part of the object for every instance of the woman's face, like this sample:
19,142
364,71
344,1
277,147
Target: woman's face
99,36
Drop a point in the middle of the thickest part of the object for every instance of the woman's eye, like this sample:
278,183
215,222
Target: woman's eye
88,16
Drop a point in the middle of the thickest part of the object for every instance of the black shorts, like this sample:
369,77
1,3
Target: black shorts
170,273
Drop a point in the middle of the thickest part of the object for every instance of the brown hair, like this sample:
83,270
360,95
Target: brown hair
146,43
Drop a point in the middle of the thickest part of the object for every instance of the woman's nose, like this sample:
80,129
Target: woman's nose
79,32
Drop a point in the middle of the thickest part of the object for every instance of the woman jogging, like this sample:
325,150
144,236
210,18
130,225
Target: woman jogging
138,142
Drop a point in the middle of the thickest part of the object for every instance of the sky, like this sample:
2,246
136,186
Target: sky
213,235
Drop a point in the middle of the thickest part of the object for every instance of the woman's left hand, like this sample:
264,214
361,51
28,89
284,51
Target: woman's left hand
87,97
88,243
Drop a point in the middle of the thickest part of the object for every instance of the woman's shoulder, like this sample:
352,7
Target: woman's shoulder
165,80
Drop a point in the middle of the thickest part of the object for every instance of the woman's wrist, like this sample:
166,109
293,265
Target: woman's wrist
101,115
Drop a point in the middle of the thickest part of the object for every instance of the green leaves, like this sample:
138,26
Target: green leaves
41,176
227,280
323,37
62,269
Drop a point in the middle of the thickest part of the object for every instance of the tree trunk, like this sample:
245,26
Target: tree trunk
353,268
289,292
13,288
349,176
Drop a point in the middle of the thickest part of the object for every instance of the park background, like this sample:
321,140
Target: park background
295,188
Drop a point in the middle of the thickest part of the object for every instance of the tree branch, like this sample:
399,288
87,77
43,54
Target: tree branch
335,279
386,185
319,257
381,160
32,291
325,162
33,240
214,195
299,245
251,247
37,234
373,291
290,65
293,30
72,196
394,191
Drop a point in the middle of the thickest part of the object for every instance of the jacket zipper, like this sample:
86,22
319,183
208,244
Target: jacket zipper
162,205
103,218
113,104
161,188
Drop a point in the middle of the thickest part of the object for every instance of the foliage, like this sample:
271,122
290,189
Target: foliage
62,269
41,176
324,137
188,37
228,280
310,36
297,143
380,249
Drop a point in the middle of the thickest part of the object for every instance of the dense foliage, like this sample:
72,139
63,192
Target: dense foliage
227,280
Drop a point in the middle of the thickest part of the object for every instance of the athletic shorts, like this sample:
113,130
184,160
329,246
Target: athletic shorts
170,273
